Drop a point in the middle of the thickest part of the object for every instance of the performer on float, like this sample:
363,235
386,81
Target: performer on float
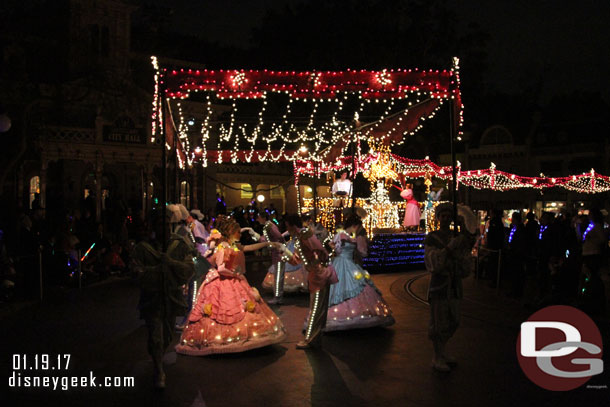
412,214
343,186
433,196
355,302
230,315
321,275
342,190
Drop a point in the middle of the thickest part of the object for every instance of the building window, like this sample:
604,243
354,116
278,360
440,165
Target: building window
277,192
34,189
307,191
246,191
185,194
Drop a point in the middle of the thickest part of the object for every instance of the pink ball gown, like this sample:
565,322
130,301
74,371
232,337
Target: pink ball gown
412,215
229,315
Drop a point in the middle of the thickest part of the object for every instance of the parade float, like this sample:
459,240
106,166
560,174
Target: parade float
324,122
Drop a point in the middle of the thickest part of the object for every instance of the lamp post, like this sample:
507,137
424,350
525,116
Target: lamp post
452,135
355,126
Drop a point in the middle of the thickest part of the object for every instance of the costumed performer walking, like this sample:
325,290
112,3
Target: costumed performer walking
321,275
448,259
161,277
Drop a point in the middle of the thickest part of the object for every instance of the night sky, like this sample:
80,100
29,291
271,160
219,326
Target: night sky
566,41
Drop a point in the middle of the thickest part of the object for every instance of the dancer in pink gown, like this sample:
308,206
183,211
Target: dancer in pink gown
230,315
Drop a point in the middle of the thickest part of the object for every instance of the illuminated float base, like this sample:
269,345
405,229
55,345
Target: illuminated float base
395,252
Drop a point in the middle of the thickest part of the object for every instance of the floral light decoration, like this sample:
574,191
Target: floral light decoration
382,168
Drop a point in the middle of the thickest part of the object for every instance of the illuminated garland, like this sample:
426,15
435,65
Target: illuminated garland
156,105
324,93
490,178
254,84
330,91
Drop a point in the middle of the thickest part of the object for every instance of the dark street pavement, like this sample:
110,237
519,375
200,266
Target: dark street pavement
99,327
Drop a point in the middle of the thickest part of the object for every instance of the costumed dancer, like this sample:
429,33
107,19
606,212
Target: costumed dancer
230,315
161,276
355,302
200,236
314,257
193,233
362,243
318,229
199,231
271,233
295,279
448,260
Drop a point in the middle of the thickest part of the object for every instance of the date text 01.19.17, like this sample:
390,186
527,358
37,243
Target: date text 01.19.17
41,361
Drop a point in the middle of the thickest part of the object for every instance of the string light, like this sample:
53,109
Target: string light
327,90
589,228
543,228
155,103
331,91
512,233
390,250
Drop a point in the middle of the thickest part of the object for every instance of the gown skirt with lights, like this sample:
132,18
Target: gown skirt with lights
295,279
229,315
355,302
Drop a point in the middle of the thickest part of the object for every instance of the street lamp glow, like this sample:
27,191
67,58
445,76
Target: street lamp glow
260,198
